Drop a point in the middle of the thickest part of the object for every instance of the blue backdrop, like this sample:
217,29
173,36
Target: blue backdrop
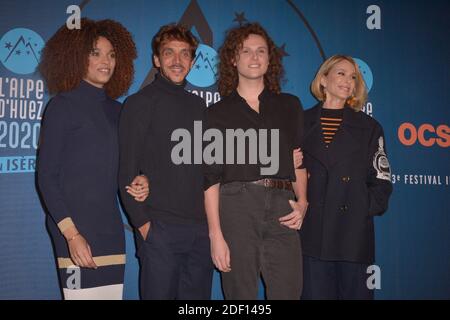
402,48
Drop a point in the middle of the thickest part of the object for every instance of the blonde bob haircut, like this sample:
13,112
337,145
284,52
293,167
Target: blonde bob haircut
359,96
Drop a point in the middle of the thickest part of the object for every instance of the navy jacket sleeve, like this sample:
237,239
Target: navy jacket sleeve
131,143
379,173
52,143
300,126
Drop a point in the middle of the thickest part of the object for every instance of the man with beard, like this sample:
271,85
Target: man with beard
172,242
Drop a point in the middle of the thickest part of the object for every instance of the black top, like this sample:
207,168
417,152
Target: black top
147,122
78,160
276,111
331,120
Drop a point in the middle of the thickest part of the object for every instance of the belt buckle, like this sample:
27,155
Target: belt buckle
266,183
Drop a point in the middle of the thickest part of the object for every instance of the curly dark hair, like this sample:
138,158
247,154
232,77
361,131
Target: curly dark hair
234,39
65,57
174,31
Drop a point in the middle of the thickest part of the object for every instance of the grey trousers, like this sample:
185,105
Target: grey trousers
259,244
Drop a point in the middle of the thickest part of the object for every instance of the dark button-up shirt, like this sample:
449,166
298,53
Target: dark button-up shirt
276,111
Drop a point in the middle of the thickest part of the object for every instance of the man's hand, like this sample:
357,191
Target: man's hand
144,230
294,219
139,188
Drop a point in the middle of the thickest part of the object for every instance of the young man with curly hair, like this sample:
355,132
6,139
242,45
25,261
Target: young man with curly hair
172,237
78,155
253,217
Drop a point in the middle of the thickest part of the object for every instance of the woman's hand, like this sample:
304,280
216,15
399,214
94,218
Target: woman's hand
139,188
220,254
294,220
80,251
298,157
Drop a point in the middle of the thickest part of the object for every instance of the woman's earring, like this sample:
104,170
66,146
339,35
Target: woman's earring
352,99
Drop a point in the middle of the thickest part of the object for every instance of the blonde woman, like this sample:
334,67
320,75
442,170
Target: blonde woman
349,183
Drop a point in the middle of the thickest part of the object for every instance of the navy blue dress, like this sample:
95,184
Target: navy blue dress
77,177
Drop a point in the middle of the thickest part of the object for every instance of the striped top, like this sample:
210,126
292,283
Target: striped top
330,120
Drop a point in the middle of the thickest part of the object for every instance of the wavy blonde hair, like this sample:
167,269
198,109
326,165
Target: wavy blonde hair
357,99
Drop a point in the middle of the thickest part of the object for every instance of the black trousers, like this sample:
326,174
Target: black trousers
175,262
259,244
334,280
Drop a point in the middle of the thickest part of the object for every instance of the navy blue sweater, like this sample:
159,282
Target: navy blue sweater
78,160
147,122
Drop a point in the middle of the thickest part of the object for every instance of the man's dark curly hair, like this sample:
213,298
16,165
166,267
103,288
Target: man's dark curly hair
171,32
234,39
65,57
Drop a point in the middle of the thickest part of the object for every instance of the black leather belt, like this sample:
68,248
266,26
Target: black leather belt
273,183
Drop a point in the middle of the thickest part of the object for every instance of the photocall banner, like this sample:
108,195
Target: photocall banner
401,47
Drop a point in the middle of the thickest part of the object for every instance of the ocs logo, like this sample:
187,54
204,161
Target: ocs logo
20,50
366,73
427,135
204,70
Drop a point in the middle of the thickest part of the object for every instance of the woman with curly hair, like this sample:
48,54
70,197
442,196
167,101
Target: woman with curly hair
78,155
253,216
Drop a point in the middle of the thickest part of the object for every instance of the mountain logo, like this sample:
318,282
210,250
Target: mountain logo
204,70
366,73
20,50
